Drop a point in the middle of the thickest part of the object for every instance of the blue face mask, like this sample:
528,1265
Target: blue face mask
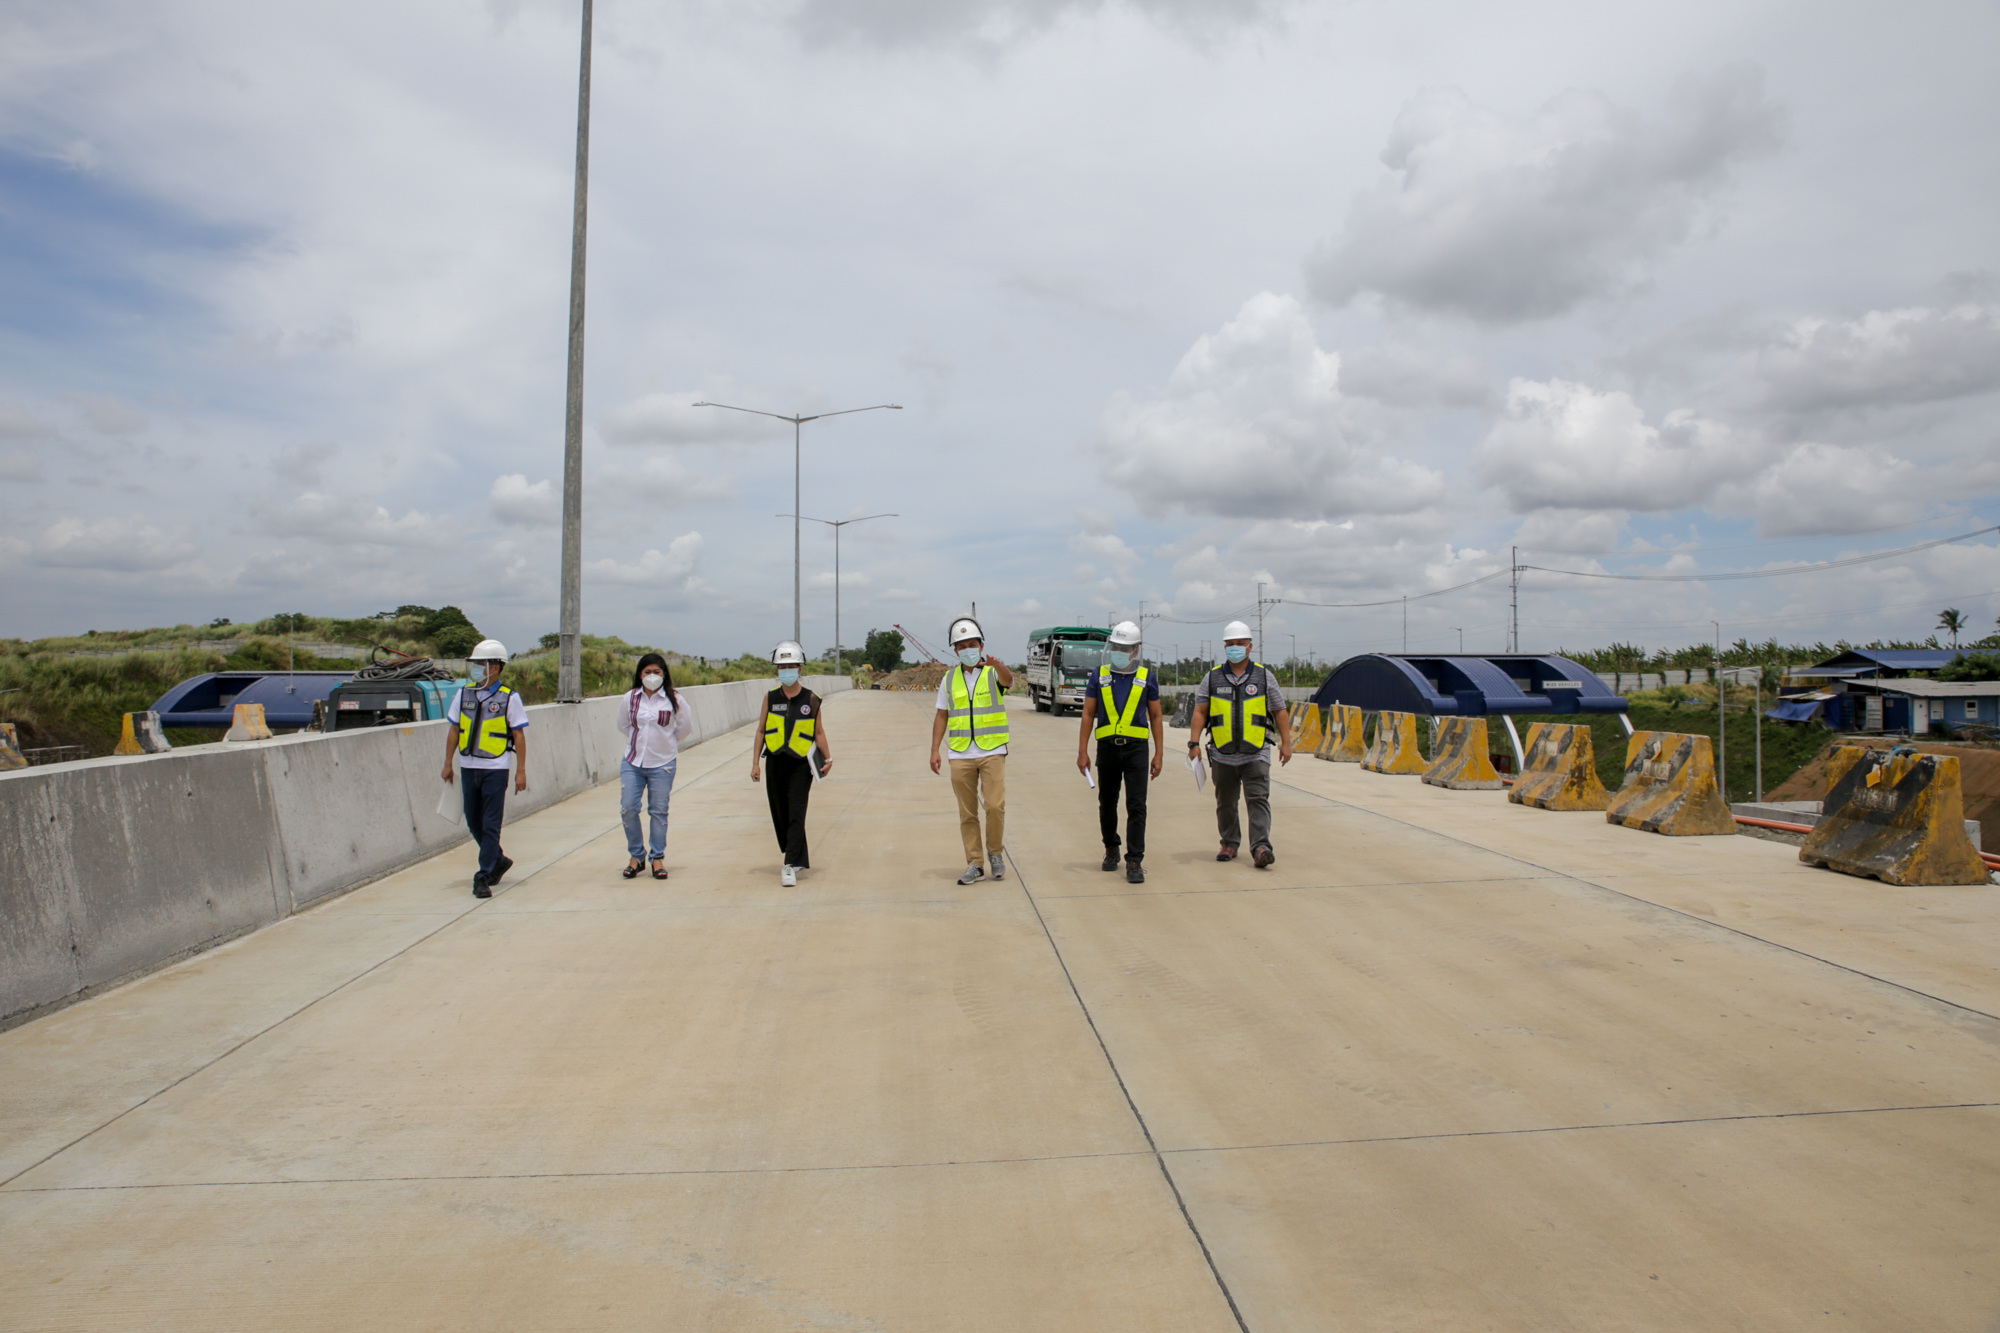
1119,661
1235,652
788,675
968,657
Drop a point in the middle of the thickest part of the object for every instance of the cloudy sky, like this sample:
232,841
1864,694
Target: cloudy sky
1178,296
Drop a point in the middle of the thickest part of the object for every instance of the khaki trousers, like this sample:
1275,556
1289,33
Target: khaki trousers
970,778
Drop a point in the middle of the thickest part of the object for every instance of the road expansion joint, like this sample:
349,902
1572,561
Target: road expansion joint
1695,917
1305,888
1166,1173
1527,1130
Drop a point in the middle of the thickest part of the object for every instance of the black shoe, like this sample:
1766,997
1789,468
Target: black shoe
480,888
506,864
1135,873
1110,858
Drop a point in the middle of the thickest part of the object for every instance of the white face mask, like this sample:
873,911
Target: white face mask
1119,661
652,681
1235,652
788,675
969,657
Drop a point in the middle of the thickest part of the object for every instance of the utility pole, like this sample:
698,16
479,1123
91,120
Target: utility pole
1260,619
1295,659
569,670
1514,619
1406,622
1721,718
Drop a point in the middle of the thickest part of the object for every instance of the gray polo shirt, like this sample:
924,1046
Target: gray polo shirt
1269,685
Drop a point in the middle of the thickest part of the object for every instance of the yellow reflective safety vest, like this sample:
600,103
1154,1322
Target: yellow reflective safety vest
482,725
1112,722
1238,711
978,718
791,724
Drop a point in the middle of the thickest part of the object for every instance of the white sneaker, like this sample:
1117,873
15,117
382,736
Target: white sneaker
790,877
999,864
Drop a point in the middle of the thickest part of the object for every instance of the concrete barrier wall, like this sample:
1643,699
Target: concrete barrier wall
118,866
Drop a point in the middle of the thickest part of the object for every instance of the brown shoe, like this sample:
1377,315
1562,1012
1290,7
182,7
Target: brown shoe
1228,852
1262,856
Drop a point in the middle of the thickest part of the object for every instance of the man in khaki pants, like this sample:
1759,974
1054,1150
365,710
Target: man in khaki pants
972,713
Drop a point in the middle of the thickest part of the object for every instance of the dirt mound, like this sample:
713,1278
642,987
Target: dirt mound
1979,774
926,677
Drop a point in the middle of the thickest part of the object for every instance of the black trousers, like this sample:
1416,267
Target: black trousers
1123,766
788,784
484,792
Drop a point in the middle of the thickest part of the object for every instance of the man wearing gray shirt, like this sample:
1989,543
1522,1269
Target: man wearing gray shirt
1243,711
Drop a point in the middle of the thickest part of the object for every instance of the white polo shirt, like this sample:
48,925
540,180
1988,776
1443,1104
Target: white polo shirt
653,728
944,705
487,703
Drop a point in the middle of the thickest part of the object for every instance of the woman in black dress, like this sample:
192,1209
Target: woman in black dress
791,738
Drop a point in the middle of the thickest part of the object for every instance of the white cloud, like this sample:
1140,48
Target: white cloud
899,595
351,520
674,568
123,544
1885,357
18,425
666,481
673,418
1404,375
300,466
1561,445
1505,219
993,24
1109,548
1572,531
20,465
1821,489
1252,424
108,414
518,504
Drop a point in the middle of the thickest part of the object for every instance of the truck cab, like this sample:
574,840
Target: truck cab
1062,665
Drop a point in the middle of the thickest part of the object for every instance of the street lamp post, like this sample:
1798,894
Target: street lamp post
798,421
1295,659
1461,639
569,625
1721,717
836,525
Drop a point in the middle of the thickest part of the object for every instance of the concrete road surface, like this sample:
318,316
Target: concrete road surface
1450,1064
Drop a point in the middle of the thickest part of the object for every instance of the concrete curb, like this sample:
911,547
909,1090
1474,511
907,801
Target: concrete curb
129,863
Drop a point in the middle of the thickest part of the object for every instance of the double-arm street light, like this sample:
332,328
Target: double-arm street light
836,524
798,421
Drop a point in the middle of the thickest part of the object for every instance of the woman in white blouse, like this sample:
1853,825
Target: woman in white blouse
653,724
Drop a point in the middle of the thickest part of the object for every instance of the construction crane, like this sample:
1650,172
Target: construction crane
921,647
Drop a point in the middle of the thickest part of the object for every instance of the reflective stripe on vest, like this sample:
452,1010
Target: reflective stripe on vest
1116,723
490,740
978,718
800,742
1236,723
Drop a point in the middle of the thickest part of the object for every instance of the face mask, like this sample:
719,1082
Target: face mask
968,657
1119,661
1235,652
652,681
788,675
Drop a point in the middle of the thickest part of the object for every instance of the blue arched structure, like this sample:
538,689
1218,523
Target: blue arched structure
1460,685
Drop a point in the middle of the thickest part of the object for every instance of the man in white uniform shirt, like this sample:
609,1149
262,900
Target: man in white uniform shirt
489,729
972,711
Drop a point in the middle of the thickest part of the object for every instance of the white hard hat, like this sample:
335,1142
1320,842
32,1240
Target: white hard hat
788,653
965,627
1124,634
1235,629
489,650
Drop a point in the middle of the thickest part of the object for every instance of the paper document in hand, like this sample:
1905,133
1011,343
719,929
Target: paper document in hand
1091,778
451,805
1200,773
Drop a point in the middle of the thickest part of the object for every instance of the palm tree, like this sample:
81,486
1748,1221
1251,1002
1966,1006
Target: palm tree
1951,620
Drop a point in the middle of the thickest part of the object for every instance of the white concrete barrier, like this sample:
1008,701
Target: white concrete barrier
119,866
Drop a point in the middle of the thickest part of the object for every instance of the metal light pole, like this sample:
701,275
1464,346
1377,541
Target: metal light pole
798,421
1295,659
569,626
1461,639
1721,718
836,525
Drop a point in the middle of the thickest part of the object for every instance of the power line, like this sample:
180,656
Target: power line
1764,573
1399,600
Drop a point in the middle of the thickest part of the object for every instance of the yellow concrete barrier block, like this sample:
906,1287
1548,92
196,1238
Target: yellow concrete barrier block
1896,816
1460,760
1311,730
1394,749
1561,770
142,735
10,748
1343,744
249,724
1670,787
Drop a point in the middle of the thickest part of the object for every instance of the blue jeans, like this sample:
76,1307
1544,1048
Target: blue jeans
484,791
658,786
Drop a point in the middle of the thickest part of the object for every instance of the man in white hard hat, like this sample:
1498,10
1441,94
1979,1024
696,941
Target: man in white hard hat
972,713
489,736
1126,712
1243,711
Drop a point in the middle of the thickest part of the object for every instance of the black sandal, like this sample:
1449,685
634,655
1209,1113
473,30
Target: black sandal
659,871
632,870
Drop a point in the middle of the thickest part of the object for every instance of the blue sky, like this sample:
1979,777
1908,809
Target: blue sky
1347,299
